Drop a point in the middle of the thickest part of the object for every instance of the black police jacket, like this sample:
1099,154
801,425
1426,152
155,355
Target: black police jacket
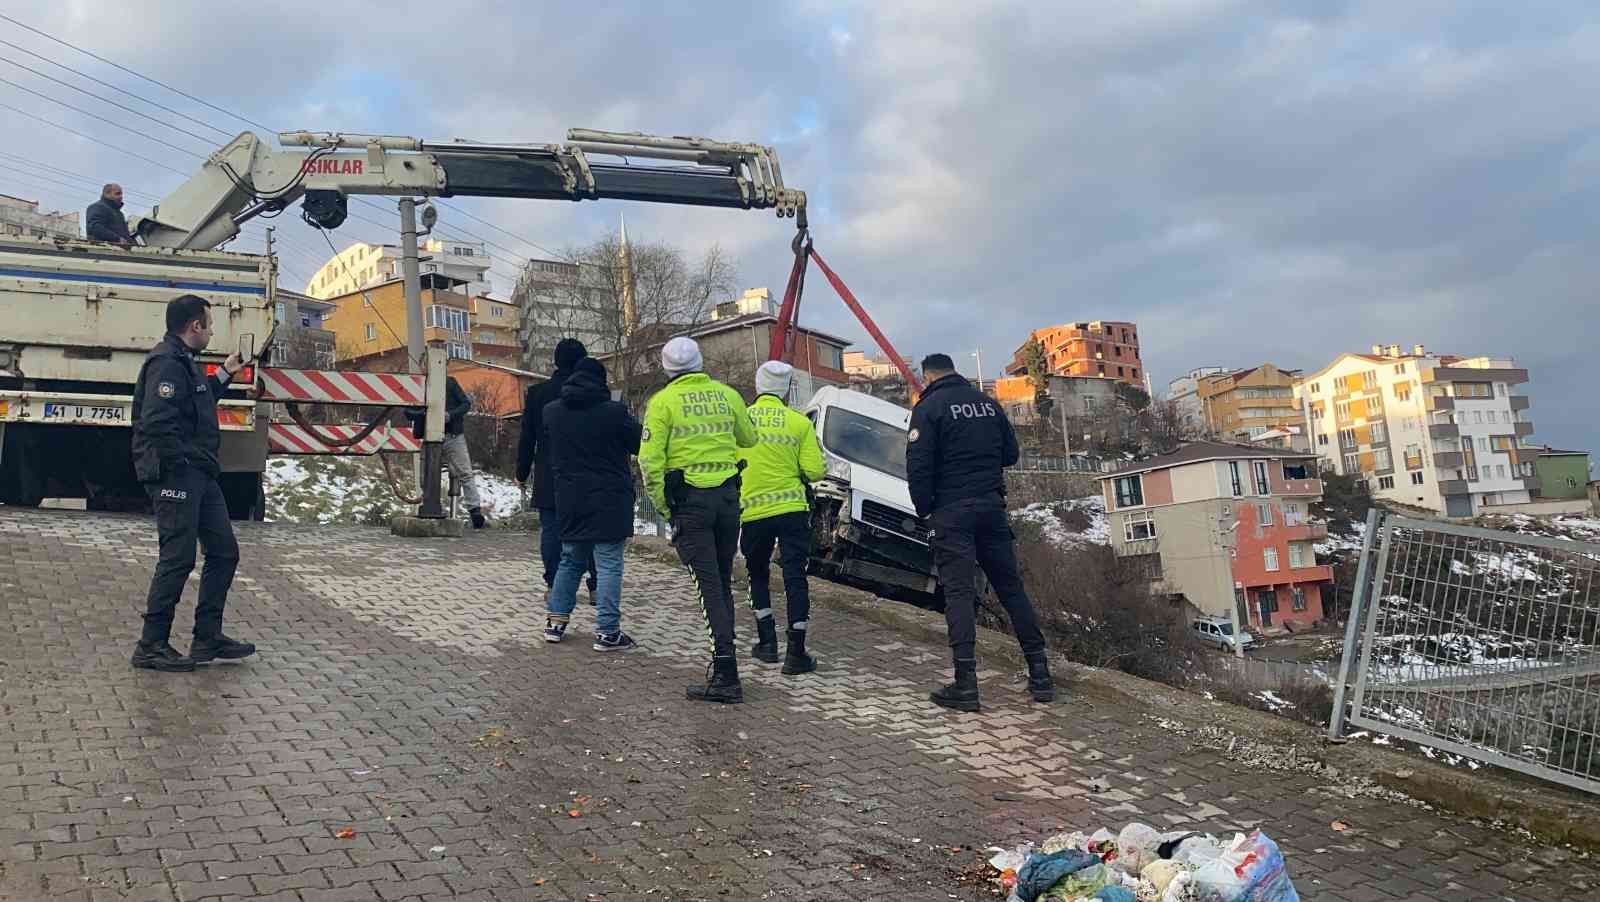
959,446
174,415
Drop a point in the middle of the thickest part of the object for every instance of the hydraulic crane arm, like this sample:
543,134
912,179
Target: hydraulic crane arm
248,178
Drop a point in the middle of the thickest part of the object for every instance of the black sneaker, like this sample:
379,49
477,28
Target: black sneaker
554,630
160,656
203,650
617,641
478,521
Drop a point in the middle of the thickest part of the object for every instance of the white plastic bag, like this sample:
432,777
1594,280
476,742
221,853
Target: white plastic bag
1196,851
1161,872
1180,889
1219,880
1136,847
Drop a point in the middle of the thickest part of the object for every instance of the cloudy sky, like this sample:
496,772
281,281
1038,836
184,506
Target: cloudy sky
1246,181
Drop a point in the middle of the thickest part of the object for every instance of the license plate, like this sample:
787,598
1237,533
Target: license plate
86,413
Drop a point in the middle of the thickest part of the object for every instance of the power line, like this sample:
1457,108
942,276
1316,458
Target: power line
67,173
536,246
92,54
119,106
367,299
111,122
37,118
81,74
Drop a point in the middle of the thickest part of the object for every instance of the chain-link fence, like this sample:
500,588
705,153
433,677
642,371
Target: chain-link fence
1478,642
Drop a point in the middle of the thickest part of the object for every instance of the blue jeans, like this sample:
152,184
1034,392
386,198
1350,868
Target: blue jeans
575,557
550,547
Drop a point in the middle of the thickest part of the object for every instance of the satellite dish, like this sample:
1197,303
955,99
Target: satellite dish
430,216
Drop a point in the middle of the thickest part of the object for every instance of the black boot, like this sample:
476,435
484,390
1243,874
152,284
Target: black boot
161,656
478,521
1039,683
795,659
766,647
962,695
203,650
722,683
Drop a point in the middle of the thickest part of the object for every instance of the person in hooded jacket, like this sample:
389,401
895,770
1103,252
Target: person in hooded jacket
103,220
533,454
590,438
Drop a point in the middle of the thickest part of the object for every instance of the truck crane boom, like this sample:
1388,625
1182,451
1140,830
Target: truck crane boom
247,178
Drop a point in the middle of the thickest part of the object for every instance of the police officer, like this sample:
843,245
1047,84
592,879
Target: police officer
775,510
958,447
175,442
693,430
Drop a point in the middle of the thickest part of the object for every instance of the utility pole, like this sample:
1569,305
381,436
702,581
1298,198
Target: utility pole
1224,559
979,354
417,356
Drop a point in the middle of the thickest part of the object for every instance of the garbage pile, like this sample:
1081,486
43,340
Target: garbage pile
1141,864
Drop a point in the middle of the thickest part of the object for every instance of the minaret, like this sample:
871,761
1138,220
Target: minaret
630,310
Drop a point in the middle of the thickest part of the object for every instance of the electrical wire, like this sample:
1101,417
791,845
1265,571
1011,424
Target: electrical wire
111,122
114,65
535,245
367,299
37,118
119,106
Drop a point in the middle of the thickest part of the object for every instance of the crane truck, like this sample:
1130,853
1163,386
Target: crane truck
77,317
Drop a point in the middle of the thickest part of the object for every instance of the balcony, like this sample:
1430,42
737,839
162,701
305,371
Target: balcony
1302,487
1520,402
1304,532
1523,429
1454,487
1449,460
1439,402
1139,546
1444,430
1311,573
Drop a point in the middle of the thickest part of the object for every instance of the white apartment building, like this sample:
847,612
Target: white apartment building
23,217
1434,431
1184,393
364,265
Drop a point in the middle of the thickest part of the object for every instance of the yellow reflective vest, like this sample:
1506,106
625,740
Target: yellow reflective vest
697,425
785,457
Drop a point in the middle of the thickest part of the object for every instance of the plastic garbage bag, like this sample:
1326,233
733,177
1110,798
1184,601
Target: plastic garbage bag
1114,894
1080,884
1010,860
1181,889
1197,850
1160,873
1136,846
1042,872
1251,869
1061,841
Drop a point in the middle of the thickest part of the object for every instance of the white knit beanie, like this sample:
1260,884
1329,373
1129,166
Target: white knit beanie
774,378
681,355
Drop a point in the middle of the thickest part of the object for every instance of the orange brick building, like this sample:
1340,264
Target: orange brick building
1099,348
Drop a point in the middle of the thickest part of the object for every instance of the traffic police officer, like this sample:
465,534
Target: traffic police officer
693,430
175,442
775,510
958,447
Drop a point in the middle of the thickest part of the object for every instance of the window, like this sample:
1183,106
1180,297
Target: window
1352,464
1472,474
1316,388
1347,438
1262,486
1130,491
1402,391
460,350
1297,556
1413,457
1417,478
1399,368
372,331
1385,482
1139,526
1119,371
1382,460
1477,416
1343,409
1369,379
1500,470
1238,480
1483,444
1380,433
1270,556
1264,513
1298,596
830,356
1322,438
1508,416
497,312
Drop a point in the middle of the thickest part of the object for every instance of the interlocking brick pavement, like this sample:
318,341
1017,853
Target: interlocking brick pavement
403,693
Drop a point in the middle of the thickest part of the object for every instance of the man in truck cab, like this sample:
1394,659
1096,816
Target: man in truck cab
956,453
689,456
175,442
103,221
775,510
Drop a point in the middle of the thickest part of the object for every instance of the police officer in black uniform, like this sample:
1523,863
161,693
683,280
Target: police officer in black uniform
958,447
175,442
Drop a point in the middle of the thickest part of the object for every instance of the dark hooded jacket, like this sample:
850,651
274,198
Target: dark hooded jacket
590,438
103,221
531,454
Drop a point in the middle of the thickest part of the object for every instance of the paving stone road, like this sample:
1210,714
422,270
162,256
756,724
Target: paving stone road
403,699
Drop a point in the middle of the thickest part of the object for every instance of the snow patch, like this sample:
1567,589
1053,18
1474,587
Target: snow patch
1052,519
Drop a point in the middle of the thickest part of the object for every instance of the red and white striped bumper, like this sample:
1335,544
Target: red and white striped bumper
335,387
287,438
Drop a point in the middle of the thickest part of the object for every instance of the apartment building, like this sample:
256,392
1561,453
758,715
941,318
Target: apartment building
1445,433
1099,348
23,217
1243,405
496,332
1221,524
362,265
370,328
1184,395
